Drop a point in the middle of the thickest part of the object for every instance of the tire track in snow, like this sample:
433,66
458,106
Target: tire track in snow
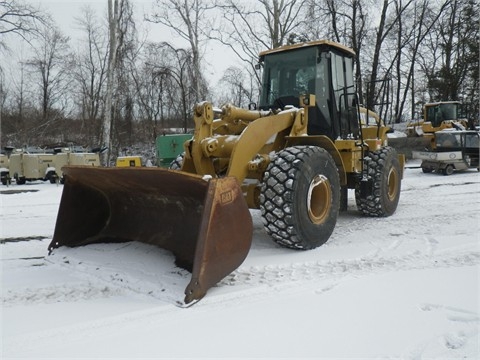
310,271
22,239
114,279
53,294
258,281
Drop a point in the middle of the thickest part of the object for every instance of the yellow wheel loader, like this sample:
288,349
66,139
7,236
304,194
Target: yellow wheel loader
438,116
294,157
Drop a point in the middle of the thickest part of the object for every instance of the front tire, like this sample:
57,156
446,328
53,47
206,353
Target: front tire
300,197
384,170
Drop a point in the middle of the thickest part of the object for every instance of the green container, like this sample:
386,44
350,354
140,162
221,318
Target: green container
169,147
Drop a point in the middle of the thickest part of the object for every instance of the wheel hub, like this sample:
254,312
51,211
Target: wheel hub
392,184
319,199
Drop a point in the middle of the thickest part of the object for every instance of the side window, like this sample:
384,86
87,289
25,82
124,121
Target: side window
271,83
430,111
349,81
342,82
272,91
322,89
338,81
472,141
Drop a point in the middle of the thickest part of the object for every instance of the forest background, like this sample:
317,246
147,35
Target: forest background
118,88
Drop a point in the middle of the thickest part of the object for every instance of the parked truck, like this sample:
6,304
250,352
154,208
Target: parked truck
4,173
65,157
25,165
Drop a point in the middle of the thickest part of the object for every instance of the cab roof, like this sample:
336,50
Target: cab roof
442,102
456,131
333,44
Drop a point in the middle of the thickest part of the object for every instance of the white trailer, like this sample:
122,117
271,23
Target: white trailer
454,150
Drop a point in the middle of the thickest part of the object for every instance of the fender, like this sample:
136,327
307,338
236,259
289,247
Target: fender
323,142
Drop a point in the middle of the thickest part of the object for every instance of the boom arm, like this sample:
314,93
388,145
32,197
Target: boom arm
247,132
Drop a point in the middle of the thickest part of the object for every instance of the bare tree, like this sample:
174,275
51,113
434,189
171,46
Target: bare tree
90,73
20,19
457,31
18,114
128,58
113,31
411,32
155,91
386,45
50,66
177,66
150,92
346,22
238,87
191,21
250,27
353,24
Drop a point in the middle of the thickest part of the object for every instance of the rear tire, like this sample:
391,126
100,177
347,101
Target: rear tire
448,170
51,177
300,197
384,169
20,180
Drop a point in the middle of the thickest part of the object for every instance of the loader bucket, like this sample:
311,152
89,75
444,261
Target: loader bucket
206,224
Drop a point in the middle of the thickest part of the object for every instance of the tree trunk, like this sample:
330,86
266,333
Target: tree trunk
112,55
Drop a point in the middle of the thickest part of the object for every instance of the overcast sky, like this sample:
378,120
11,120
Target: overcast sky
64,12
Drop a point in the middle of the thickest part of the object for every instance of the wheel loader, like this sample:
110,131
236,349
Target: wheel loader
420,133
438,116
294,155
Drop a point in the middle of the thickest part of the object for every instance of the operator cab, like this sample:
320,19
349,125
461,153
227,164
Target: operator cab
436,113
323,68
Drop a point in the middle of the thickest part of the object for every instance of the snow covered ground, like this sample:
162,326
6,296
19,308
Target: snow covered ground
403,287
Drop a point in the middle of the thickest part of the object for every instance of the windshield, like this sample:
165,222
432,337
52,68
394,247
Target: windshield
448,139
441,112
288,74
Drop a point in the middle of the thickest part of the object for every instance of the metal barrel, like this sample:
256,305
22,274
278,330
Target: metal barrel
206,224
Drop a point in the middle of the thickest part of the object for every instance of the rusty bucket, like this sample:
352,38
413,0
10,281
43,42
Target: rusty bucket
205,223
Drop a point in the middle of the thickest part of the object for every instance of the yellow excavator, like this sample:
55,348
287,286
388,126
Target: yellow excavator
293,156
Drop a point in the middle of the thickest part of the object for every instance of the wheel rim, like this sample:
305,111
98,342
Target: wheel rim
319,199
392,184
